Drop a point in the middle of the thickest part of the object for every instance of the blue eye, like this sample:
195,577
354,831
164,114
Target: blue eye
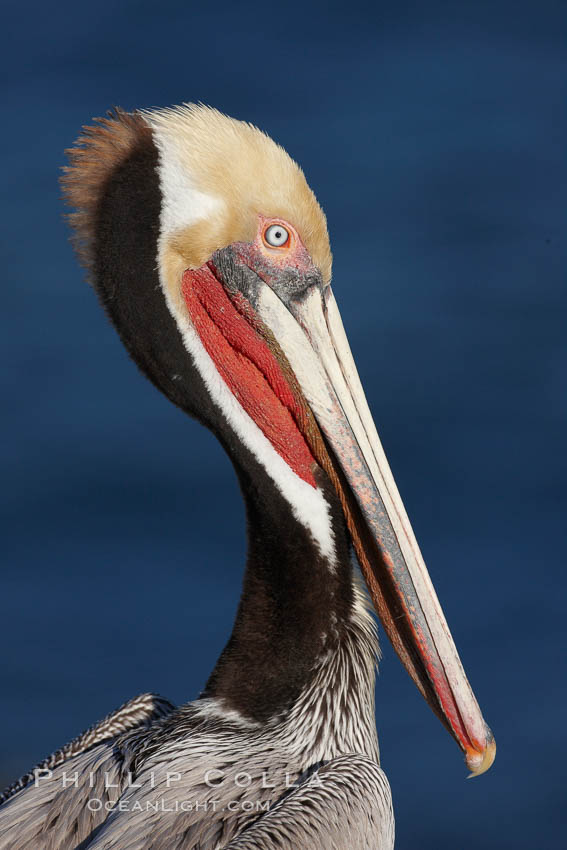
276,235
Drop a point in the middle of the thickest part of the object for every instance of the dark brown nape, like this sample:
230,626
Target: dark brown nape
293,610
113,185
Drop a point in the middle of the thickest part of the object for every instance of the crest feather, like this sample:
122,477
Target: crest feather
98,152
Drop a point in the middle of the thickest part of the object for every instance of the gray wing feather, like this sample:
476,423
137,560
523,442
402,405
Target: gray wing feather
47,807
54,814
345,805
139,711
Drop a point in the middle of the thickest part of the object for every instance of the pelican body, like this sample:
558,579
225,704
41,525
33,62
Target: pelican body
210,255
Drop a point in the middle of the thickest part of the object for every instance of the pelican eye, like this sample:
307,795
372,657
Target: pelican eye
276,235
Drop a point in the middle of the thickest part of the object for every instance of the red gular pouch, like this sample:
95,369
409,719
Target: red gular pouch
248,366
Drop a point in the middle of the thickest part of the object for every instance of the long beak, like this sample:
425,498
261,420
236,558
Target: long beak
318,352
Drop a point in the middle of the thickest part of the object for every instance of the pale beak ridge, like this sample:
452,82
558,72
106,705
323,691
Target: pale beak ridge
317,349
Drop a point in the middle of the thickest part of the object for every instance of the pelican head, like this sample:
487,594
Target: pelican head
211,256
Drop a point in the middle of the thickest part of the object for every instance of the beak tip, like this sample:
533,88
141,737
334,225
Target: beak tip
480,762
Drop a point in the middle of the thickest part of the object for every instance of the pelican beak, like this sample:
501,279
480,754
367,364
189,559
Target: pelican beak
309,330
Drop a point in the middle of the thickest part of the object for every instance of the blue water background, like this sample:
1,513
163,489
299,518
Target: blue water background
434,136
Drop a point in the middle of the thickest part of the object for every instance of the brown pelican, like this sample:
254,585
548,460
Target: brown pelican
211,257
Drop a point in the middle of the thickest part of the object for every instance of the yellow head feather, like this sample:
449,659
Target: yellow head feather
237,171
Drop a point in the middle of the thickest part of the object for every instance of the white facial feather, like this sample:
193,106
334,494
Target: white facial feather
183,204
